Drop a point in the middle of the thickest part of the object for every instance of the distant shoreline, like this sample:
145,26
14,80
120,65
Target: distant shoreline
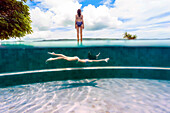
96,39
43,40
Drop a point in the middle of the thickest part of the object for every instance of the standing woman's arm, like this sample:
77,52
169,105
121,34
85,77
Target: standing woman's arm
83,21
75,22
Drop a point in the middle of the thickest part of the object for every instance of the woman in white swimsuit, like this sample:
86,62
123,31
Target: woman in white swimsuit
75,58
79,24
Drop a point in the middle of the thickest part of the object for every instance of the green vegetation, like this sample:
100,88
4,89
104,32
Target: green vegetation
14,19
129,36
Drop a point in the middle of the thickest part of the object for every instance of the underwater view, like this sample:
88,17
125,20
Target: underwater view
84,56
135,79
88,96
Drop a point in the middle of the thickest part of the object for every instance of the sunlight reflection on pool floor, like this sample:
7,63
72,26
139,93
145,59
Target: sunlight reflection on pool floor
88,95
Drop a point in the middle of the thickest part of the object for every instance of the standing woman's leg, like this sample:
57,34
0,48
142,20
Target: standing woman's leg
81,28
77,33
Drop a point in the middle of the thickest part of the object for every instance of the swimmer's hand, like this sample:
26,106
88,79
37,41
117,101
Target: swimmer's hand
98,54
51,53
106,60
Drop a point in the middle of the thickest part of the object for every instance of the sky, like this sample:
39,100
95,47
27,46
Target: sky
55,19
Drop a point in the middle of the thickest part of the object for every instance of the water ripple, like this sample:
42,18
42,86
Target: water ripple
89,95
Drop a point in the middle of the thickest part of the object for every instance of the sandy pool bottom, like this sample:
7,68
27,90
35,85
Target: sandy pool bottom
88,96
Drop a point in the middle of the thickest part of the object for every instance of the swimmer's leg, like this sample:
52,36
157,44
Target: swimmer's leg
50,59
60,55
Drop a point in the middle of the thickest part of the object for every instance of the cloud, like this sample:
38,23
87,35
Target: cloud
41,20
60,13
48,35
147,19
99,18
159,16
139,12
107,2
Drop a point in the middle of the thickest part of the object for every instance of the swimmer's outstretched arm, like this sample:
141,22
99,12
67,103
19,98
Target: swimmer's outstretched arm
98,55
86,60
106,60
60,55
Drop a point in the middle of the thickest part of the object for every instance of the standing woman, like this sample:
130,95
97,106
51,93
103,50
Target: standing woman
79,24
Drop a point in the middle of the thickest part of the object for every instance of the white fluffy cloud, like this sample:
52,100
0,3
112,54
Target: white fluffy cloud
139,12
60,13
41,20
99,18
141,17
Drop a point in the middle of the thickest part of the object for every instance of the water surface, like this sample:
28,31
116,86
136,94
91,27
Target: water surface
87,43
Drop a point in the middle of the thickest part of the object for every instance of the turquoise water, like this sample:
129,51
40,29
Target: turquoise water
87,43
88,96
135,80
25,61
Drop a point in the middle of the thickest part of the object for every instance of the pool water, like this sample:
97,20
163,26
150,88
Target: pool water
88,96
87,43
135,80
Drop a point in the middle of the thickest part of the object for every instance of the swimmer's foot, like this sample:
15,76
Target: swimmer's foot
51,53
107,59
50,59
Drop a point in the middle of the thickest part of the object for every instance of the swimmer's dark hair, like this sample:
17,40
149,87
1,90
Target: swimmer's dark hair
92,57
79,12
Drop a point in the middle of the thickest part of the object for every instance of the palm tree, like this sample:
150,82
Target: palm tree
134,36
129,36
125,35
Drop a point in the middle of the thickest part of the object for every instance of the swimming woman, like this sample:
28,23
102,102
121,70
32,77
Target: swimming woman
79,24
75,58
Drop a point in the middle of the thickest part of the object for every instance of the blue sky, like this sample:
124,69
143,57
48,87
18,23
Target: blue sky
96,3
84,3
103,18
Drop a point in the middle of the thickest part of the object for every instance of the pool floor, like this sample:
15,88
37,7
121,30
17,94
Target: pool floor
88,96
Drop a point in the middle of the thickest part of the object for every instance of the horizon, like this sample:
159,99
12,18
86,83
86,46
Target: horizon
103,19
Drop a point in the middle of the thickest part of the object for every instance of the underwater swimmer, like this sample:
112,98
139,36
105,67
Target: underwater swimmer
75,58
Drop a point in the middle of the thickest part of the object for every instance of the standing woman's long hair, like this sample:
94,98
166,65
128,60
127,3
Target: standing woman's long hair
79,12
